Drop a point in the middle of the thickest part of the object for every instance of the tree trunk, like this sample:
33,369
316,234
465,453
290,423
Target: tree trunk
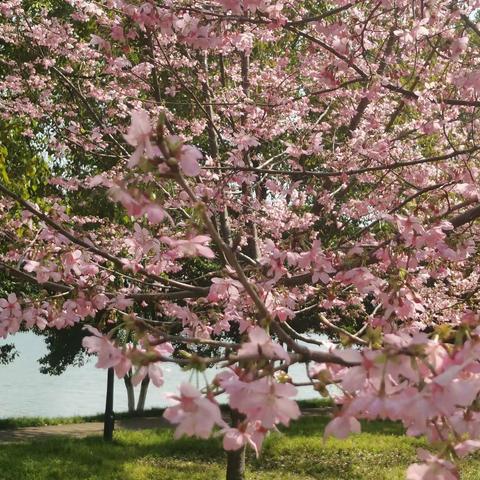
109,419
130,392
236,464
143,394
236,459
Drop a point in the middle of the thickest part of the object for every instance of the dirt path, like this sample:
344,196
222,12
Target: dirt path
80,430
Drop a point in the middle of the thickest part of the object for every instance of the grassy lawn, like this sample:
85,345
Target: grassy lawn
380,452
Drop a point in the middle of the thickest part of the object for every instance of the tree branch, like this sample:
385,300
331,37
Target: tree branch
89,245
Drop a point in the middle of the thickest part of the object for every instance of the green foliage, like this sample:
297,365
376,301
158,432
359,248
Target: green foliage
22,167
64,349
7,353
3,164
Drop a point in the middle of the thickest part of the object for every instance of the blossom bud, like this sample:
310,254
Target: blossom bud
283,377
172,162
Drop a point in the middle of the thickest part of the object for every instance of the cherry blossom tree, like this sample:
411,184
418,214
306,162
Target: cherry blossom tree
272,168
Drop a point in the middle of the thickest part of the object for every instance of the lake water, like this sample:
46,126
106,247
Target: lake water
24,391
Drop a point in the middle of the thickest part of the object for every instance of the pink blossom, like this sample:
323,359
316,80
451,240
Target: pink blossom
108,354
434,468
153,369
271,403
317,260
138,205
245,141
342,427
264,400
458,46
123,366
468,446
417,32
430,471
10,307
193,247
194,414
275,259
44,272
10,315
234,5
186,155
188,159
250,433
35,317
100,301
224,289
262,344
362,198
71,261
138,136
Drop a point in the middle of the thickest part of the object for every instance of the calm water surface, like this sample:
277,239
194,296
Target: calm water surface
24,391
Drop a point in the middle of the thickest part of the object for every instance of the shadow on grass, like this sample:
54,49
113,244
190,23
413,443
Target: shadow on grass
90,458
299,454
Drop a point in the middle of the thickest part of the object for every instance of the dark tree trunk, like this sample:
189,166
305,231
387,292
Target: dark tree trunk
143,394
130,392
236,459
108,419
236,464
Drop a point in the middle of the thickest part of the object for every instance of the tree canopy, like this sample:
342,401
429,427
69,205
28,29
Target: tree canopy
251,172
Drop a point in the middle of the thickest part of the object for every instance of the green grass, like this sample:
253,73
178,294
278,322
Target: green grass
18,422
379,453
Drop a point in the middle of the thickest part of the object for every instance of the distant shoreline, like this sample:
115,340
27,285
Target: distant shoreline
19,422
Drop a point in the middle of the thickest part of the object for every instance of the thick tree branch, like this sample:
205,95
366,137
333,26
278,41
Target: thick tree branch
391,166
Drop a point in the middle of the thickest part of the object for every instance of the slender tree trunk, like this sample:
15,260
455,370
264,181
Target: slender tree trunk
236,464
236,459
130,392
252,241
109,419
143,394
213,146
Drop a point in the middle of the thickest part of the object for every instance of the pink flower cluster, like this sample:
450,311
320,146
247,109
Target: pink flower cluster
124,359
140,135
